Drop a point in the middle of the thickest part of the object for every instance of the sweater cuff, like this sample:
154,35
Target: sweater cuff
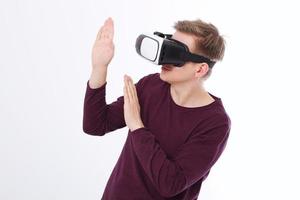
95,90
139,130
141,137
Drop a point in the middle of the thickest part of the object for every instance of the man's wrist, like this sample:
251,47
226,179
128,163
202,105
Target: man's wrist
136,127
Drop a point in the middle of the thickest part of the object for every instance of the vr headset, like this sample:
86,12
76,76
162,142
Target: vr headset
161,49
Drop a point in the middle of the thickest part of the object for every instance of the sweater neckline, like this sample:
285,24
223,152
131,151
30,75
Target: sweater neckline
208,106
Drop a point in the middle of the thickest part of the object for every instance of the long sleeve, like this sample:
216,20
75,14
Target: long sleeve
99,117
191,162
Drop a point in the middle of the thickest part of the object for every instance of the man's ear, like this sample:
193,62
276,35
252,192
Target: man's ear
202,69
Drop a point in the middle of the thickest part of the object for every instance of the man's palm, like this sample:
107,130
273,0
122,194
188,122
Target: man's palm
103,49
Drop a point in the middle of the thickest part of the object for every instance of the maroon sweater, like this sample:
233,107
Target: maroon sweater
169,157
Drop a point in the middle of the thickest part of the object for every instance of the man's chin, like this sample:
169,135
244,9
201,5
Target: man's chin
163,77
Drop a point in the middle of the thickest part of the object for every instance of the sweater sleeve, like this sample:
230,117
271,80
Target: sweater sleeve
99,117
191,162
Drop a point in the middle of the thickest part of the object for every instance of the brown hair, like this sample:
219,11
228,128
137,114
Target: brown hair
208,41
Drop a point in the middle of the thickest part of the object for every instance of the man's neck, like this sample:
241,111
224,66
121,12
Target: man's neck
190,94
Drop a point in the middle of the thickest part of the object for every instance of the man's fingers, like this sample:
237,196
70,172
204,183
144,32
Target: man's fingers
133,88
130,90
127,90
110,28
125,94
106,30
99,33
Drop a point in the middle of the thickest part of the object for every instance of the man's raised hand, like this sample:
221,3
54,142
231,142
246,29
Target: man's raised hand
103,49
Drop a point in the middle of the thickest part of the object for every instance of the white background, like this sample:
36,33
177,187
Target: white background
45,51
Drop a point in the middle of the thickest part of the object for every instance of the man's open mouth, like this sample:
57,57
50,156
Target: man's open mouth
166,68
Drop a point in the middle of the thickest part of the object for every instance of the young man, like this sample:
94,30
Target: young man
177,130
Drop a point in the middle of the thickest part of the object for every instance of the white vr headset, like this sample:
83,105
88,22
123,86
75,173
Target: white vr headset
161,49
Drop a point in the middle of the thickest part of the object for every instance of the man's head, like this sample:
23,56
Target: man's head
201,38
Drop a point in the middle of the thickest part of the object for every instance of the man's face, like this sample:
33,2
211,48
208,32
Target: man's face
184,73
